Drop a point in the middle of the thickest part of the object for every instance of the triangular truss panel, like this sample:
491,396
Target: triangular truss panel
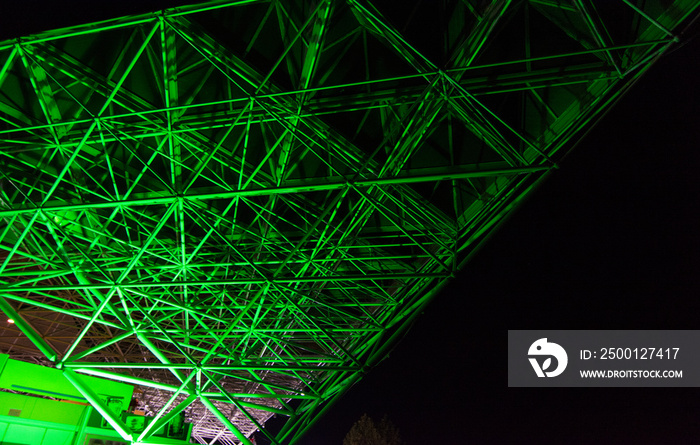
239,206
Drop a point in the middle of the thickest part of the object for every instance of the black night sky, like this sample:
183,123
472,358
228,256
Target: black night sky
610,241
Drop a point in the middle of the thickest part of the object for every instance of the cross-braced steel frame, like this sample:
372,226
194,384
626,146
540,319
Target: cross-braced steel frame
239,206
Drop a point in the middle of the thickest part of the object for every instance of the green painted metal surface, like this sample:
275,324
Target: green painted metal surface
31,420
36,408
27,419
29,378
240,206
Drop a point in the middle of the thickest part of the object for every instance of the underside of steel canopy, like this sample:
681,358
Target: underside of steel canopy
239,206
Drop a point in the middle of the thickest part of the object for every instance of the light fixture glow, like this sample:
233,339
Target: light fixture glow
9,320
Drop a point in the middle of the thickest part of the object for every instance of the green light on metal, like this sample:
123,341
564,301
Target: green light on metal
240,206
98,404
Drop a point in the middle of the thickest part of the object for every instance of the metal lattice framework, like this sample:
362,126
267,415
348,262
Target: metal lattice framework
239,206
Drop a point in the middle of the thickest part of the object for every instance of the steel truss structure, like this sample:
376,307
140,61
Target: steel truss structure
240,206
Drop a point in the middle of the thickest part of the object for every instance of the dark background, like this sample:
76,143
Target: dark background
610,241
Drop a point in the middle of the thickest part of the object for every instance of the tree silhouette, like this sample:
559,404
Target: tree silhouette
366,432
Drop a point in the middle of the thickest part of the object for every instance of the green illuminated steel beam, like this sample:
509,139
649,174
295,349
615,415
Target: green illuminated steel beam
28,330
98,404
309,188
223,419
